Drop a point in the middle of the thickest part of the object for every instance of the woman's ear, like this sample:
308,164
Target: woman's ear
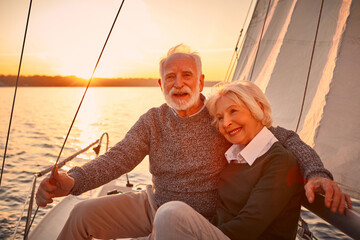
260,105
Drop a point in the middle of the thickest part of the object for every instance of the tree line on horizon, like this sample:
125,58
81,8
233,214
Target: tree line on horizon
73,81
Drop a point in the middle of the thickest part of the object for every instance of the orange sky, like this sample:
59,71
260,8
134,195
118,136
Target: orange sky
65,37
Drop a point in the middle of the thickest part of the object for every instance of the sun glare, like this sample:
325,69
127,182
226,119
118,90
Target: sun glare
66,39
88,119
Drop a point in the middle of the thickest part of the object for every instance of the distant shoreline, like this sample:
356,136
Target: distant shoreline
73,81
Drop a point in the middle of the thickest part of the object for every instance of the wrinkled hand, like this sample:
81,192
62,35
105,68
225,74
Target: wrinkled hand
334,197
57,186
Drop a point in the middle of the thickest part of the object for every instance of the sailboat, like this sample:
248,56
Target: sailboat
305,55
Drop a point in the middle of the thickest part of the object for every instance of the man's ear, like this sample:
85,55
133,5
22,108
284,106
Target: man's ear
202,82
159,82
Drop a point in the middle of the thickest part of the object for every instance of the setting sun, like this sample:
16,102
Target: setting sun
66,37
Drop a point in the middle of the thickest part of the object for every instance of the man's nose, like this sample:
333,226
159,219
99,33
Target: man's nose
179,82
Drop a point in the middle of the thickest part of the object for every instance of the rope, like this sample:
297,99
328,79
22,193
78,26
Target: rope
237,57
82,99
231,65
261,36
87,87
310,64
60,164
16,86
22,212
31,203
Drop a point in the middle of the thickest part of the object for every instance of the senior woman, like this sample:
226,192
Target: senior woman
259,190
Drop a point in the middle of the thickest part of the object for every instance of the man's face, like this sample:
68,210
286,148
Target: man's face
180,82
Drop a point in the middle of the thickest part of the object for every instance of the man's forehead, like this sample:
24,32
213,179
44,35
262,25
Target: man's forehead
170,70
180,61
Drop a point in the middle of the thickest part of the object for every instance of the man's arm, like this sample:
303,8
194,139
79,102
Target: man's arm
309,161
318,179
120,159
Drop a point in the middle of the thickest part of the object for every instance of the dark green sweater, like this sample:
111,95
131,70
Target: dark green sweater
261,201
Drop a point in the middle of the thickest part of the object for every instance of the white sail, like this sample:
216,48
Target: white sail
285,66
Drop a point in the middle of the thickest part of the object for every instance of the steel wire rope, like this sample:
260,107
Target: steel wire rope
258,47
16,86
236,58
77,111
310,64
228,72
22,211
236,50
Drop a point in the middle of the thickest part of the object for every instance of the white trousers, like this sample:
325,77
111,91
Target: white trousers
128,215
177,220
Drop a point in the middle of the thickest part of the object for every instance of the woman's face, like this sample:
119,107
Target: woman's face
235,121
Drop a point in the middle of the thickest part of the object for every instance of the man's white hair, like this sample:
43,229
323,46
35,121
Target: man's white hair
181,48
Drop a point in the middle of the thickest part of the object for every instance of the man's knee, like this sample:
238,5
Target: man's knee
170,213
83,210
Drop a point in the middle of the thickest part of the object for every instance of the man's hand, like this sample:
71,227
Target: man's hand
333,194
57,186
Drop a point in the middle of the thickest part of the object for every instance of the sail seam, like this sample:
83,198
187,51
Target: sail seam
310,65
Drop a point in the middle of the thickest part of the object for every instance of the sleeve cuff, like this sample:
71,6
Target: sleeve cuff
327,175
78,174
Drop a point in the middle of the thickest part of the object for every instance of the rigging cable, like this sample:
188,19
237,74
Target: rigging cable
236,51
16,86
77,111
236,58
261,36
87,87
310,64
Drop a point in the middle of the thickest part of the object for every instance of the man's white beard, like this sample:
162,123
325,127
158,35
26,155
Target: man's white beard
182,105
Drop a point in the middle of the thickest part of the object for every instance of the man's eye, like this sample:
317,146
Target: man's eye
187,75
169,77
233,111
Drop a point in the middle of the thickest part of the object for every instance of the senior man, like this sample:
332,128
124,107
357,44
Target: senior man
186,155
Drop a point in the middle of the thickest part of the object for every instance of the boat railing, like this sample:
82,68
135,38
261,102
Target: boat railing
30,198
63,162
348,223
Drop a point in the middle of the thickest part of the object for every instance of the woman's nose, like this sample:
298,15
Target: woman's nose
226,121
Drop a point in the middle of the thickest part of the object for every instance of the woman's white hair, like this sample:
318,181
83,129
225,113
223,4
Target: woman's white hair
181,48
242,92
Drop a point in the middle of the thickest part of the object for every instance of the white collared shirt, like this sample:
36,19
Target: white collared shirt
259,145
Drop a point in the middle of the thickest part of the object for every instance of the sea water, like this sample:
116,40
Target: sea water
41,120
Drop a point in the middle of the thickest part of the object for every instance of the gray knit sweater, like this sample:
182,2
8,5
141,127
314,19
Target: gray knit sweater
186,156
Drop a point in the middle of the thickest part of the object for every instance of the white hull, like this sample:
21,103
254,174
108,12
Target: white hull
51,224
